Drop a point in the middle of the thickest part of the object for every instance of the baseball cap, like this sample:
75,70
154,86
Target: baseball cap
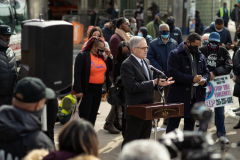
214,36
32,90
5,29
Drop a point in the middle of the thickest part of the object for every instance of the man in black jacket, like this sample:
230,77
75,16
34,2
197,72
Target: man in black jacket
20,128
8,66
139,87
219,63
175,32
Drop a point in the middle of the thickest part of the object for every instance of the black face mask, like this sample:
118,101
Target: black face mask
156,20
193,49
238,35
100,52
37,113
126,55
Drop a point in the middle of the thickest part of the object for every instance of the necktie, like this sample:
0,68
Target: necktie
144,69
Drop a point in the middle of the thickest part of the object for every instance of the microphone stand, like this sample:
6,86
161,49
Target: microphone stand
156,120
158,88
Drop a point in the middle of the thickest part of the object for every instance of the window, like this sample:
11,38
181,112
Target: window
21,14
6,15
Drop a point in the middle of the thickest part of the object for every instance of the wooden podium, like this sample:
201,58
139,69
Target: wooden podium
155,111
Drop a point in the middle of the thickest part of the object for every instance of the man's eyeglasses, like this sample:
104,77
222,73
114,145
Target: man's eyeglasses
143,48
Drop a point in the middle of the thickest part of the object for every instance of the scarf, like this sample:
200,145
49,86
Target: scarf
122,34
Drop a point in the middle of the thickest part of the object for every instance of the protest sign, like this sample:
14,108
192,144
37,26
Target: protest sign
219,92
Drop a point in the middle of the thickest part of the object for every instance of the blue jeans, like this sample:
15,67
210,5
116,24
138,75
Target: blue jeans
66,119
219,121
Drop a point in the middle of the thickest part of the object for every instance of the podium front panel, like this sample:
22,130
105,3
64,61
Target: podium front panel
156,110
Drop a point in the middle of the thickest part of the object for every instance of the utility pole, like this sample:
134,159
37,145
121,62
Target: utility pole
184,18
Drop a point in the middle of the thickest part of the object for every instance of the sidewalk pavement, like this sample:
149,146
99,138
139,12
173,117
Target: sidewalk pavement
110,144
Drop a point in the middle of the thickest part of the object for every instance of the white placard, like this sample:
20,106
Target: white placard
219,92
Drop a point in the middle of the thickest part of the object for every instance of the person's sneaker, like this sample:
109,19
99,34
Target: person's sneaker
225,140
237,113
237,109
111,129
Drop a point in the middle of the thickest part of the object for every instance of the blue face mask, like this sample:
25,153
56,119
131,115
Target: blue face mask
140,34
238,2
164,34
204,43
225,6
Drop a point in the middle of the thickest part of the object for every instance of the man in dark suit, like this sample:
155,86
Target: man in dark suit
139,87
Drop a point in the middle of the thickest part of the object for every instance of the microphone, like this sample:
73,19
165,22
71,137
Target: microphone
156,70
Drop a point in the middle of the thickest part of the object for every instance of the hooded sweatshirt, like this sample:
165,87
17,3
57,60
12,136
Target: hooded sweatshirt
20,132
224,34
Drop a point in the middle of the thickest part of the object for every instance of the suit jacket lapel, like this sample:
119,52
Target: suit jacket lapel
136,63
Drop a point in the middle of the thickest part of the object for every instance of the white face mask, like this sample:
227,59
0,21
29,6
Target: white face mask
133,25
218,30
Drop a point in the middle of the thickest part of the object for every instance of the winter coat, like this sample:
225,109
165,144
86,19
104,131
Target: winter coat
8,71
151,29
20,132
107,34
225,36
158,53
176,34
223,62
60,155
82,72
180,68
236,65
113,43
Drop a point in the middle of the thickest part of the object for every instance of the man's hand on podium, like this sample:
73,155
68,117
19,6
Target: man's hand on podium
163,82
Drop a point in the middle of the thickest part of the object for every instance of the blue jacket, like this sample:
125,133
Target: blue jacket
158,53
179,67
224,34
107,33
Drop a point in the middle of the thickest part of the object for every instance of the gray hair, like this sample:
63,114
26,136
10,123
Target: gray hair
144,150
163,25
135,41
206,35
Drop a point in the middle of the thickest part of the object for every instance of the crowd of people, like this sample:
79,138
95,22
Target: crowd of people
117,54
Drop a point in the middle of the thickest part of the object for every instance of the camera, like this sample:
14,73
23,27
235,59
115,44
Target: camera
201,112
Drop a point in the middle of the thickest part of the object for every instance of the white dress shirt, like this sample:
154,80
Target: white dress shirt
146,69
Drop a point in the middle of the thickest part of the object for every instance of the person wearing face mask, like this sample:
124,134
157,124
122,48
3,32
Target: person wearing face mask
158,52
133,26
139,14
187,65
219,63
205,38
92,65
8,66
175,32
121,34
153,26
122,54
20,124
143,32
218,26
224,13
